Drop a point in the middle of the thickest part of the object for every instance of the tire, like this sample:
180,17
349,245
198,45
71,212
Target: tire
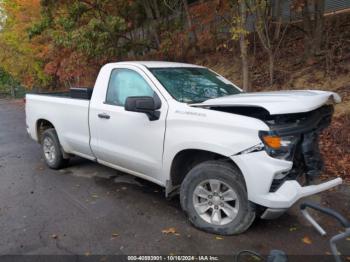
235,218
52,150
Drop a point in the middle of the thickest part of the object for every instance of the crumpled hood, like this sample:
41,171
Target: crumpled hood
277,102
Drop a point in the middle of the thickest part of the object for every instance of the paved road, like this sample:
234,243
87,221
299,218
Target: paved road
77,210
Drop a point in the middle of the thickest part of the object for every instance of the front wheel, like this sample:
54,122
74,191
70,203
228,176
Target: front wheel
214,197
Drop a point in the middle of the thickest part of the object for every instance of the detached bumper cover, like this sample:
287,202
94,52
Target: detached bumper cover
259,170
291,191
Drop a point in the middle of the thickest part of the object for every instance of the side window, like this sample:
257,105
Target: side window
124,83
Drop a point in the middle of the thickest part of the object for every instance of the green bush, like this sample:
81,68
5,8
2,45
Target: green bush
9,86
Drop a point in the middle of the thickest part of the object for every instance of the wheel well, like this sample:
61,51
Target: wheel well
41,126
185,160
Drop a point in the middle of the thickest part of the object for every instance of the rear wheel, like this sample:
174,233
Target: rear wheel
52,150
214,197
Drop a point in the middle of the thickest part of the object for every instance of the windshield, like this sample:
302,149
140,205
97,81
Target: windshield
193,85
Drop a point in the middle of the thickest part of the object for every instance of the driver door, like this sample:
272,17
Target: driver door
128,141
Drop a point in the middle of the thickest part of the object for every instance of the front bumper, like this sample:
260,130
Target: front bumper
259,170
291,191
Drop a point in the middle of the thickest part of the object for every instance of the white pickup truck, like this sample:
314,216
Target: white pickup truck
231,156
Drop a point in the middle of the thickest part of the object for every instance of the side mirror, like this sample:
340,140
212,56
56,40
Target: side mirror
144,104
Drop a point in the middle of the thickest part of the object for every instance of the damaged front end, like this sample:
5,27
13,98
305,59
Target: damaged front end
302,131
292,137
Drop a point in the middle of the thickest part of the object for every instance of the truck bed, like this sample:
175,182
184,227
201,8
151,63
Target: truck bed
69,116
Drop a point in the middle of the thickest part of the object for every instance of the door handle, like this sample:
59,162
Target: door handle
104,116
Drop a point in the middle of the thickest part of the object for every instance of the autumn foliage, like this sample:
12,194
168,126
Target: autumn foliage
56,44
19,55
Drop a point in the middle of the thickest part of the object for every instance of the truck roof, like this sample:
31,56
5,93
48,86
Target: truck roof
157,64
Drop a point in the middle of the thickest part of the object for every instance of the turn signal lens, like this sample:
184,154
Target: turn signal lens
281,147
272,141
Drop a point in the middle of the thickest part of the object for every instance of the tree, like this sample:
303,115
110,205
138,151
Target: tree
268,29
313,24
88,32
19,56
96,32
191,29
152,11
239,32
244,46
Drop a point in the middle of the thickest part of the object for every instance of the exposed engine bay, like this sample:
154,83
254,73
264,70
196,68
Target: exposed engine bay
299,134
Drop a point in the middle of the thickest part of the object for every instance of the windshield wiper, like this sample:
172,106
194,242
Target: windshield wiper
199,101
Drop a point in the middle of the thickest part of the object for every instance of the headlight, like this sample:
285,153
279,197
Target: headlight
281,147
